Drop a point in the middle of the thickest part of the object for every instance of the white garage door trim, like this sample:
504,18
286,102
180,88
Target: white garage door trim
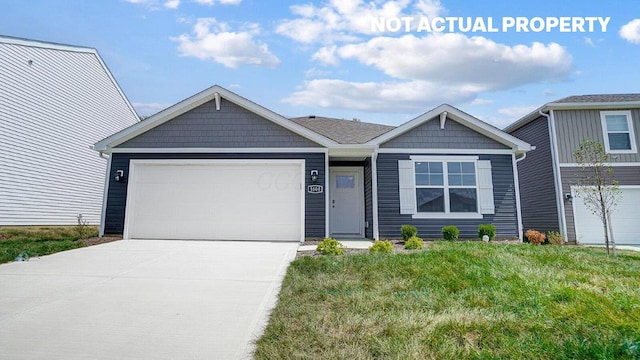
575,203
136,164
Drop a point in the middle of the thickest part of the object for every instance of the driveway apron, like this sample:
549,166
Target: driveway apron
141,299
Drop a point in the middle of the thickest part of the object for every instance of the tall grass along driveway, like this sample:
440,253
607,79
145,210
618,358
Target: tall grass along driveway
30,241
459,300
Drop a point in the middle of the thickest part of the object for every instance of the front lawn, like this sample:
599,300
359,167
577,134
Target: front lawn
41,240
459,300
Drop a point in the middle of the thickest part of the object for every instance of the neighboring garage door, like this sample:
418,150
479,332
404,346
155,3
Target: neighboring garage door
624,220
215,199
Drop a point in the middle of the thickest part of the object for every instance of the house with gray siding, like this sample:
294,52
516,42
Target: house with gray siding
55,101
549,175
219,166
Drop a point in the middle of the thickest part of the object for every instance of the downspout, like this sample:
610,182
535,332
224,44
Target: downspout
107,179
374,191
516,182
556,171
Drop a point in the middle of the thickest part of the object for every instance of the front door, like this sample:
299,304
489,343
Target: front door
347,202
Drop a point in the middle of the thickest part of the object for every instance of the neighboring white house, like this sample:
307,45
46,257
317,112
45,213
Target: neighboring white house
55,102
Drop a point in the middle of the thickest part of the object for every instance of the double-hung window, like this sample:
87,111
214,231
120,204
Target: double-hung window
617,129
446,186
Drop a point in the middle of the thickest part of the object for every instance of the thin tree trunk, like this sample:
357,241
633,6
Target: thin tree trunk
613,240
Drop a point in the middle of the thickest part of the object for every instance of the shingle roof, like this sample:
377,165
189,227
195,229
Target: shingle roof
343,131
598,98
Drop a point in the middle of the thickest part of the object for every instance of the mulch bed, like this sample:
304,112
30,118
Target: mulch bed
398,246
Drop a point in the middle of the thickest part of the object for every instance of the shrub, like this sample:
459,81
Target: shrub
330,246
450,232
487,229
413,243
382,247
535,237
408,231
555,238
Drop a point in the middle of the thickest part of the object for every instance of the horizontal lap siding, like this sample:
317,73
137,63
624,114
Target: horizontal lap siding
626,175
390,219
535,174
314,203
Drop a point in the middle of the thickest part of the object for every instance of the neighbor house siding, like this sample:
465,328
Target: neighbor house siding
535,175
625,175
573,126
51,111
314,203
368,200
230,127
453,136
390,219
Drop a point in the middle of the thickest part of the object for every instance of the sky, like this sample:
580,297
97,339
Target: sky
329,58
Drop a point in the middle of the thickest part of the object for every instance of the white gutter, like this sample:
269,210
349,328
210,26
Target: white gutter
556,171
516,182
105,192
374,191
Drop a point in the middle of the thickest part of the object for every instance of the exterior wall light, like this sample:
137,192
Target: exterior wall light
314,176
119,176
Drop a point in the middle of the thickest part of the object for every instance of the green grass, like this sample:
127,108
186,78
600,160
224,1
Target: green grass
40,240
459,301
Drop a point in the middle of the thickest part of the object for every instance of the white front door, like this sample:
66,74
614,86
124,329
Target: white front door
346,202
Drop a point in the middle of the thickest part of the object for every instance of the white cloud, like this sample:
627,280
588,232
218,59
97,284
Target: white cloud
631,31
313,73
589,41
215,40
458,59
517,112
326,55
146,109
224,2
479,101
172,4
346,20
388,97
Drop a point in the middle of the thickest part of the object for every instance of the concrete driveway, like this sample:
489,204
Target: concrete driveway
141,299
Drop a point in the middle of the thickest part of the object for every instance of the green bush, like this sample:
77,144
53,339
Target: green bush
330,246
408,231
555,238
413,243
487,229
382,247
450,232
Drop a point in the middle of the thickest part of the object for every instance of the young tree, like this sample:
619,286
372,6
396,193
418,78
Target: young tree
598,188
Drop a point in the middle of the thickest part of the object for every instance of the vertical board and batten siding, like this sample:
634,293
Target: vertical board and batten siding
314,203
230,127
368,200
390,220
454,136
535,175
572,126
50,113
626,175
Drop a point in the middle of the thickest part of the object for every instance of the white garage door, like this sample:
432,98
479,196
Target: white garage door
215,199
624,220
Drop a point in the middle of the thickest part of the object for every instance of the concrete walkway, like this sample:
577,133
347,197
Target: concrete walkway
141,299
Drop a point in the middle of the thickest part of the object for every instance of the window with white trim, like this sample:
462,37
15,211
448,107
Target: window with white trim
445,186
617,129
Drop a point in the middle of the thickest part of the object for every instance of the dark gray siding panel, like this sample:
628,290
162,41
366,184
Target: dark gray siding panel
231,127
314,203
573,126
535,174
453,136
626,175
368,200
505,218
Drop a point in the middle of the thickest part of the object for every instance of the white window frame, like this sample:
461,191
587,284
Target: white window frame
605,132
445,169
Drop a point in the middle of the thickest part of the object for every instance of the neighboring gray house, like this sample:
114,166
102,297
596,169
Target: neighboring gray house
55,100
218,166
549,174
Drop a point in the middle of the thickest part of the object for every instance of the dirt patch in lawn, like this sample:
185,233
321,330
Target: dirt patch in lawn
99,240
